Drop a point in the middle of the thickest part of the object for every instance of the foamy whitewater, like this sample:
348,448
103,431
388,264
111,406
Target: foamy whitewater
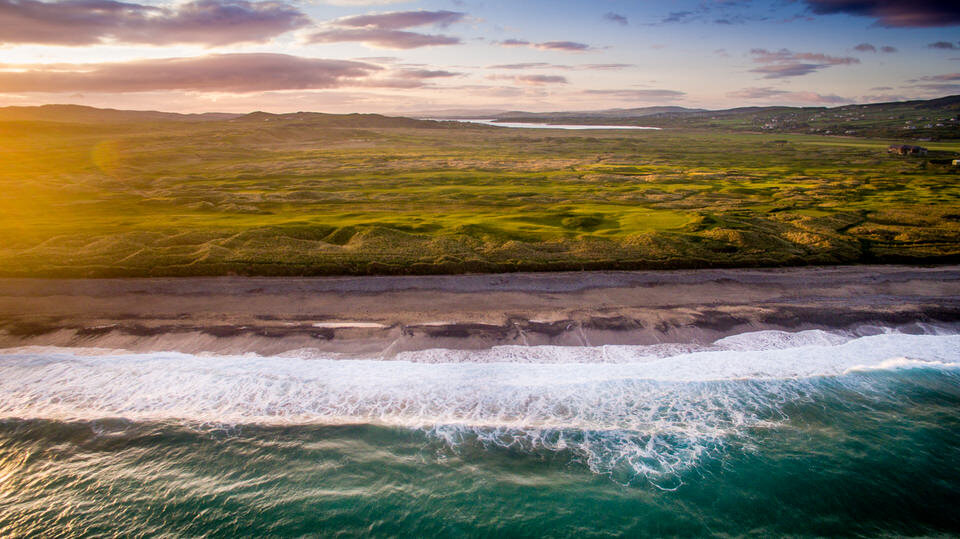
616,404
640,415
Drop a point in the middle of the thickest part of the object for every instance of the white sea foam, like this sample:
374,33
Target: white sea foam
775,340
647,409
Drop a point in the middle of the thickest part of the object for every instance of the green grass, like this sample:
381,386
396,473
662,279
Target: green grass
295,199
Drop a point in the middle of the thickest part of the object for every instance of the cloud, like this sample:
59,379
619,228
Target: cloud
387,39
756,93
764,56
360,2
722,12
946,45
940,88
563,46
894,13
541,79
397,20
942,78
780,71
89,22
639,95
814,97
231,73
607,67
387,30
379,59
783,95
512,91
867,47
420,74
533,80
882,98
568,46
546,65
529,65
616,18
678,16
785,63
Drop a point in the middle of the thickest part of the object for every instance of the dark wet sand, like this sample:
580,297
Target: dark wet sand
379,316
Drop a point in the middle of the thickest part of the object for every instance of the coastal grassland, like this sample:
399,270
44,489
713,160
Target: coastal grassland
295,198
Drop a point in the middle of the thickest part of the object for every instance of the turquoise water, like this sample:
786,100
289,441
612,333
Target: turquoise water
765,433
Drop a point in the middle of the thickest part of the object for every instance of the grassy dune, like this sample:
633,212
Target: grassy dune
291,197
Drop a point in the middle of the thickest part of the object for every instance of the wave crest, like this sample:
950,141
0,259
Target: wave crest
649,411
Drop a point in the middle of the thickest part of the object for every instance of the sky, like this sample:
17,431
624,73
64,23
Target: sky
405,57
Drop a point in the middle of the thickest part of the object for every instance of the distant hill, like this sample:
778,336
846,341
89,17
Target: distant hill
943,103
920,120
932,119
608,113
456,114
82,114
519,115
78,114
345,120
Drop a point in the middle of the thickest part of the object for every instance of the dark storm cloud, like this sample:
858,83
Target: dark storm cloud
894,13
234,73
87,22
945,45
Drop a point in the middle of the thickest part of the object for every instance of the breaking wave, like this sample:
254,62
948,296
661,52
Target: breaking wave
652,410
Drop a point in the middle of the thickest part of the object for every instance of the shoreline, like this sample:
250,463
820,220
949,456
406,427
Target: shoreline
379,316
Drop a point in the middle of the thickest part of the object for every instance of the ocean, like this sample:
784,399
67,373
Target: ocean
852,432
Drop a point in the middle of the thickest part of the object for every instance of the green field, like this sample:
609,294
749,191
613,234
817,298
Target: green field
295,197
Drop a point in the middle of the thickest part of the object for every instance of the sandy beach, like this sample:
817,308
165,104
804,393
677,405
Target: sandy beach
380,316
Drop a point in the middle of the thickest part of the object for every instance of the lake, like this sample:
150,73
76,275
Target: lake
527,125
